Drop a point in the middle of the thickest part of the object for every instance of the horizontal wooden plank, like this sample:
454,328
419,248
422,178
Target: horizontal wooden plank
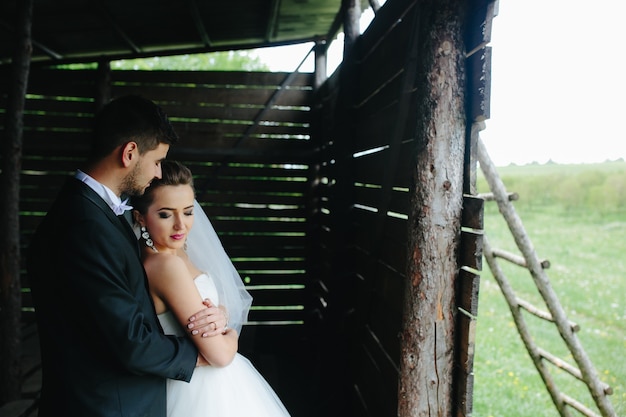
273,316
386,20
384,98
250,227
78,90
167,96
276,297
254,186
234,169
469,284
297,213
237,128
471,249
392,228
384,58
59,105
227,112
58,122
464,362
376,272
274,338
473,212
68,143
211,77
268,251
285,266
372,197
272,241
377,129
369,168
381,399
214,200
278,152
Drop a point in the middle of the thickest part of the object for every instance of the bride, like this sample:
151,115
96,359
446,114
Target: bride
184,267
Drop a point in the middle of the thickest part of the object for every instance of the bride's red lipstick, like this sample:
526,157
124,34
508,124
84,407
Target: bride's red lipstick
178,236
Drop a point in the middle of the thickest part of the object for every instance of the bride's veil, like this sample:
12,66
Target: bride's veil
206,252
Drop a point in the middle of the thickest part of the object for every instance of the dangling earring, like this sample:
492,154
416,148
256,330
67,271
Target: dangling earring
185,245
146,236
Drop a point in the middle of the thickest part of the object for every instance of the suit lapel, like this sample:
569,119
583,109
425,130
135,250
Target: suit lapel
119,221
129,232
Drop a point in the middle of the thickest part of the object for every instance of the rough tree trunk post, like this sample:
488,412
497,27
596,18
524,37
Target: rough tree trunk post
427,347
10,290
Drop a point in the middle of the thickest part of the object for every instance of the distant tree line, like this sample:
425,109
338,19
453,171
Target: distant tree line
592,188
245,60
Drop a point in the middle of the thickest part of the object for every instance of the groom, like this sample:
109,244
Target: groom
103,351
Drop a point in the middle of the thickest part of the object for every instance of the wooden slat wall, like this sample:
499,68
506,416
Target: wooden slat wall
366,279
251,180
372,149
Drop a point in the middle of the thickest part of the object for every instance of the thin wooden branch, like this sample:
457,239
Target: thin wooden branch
542,314
490,197
578,406
516,259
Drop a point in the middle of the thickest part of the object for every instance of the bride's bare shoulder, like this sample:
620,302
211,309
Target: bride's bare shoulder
163,265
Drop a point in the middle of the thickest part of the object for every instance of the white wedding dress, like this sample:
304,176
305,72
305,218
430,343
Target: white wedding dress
236,390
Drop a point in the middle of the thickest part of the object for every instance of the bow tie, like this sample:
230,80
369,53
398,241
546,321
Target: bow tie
119,209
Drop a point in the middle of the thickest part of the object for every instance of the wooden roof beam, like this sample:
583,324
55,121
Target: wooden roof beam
46,50
197,20
271,22
129,42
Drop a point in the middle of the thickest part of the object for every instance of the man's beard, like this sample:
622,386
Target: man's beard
129,184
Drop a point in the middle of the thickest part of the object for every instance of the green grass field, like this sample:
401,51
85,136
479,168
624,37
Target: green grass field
575,216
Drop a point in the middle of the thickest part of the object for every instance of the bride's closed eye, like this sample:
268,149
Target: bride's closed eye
166,215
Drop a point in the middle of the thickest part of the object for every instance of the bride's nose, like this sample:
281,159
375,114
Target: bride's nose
179,223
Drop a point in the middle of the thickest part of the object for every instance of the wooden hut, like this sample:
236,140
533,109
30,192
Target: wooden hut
345,202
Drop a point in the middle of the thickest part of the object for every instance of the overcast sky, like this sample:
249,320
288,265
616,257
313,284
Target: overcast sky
558,84
558,88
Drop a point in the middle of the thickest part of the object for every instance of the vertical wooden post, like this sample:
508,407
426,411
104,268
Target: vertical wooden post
321,60
10,292
427,346
103,85
351,28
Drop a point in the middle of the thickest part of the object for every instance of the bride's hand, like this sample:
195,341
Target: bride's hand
210,321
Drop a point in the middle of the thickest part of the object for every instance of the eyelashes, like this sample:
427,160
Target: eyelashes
164,215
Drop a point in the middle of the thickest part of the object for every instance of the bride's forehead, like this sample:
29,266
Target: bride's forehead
179,195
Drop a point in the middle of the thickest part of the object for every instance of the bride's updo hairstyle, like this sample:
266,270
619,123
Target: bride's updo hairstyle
172,173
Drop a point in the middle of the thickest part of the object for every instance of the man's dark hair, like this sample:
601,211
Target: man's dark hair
172,173
130,118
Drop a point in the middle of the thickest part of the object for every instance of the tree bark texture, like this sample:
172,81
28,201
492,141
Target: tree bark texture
427,347
10,290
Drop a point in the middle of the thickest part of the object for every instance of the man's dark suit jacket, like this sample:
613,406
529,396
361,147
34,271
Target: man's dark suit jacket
103,351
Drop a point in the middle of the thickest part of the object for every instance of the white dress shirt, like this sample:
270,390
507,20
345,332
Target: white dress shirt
117,205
